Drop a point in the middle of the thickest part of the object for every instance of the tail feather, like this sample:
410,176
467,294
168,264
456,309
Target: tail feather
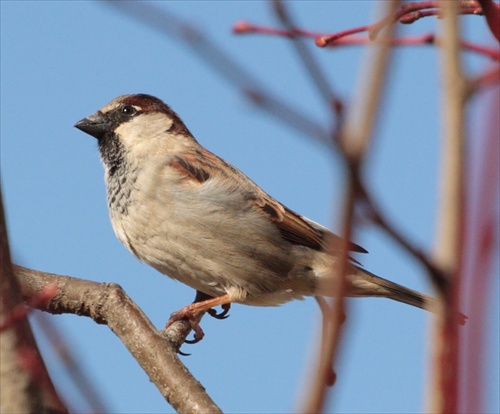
364,283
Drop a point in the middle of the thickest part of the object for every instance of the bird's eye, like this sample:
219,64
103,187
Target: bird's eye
128,110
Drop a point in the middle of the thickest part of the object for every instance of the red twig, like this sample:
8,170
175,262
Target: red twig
481,245
425,39
323,41
21,311
414,11
493,54
449,251
487,78
244,27
230,70
407,14
75,369
30,362
320,81
491,11
416,15
344,40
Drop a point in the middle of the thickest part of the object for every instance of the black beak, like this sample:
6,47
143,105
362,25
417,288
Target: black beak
96,125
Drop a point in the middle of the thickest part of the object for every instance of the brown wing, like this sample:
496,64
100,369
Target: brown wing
189,170
298,230
293,227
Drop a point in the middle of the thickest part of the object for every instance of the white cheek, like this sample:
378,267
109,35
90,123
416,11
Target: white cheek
140,133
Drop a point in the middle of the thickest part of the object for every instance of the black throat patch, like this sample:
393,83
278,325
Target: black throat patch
112,152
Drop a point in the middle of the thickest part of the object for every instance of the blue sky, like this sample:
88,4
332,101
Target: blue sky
61,61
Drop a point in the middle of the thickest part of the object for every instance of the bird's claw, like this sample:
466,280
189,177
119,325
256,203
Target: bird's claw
223,315
195,340
187,314
192,313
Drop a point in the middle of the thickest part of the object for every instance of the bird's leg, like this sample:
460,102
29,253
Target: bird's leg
190,312
200,297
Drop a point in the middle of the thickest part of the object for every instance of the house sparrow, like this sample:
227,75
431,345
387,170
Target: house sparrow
196,218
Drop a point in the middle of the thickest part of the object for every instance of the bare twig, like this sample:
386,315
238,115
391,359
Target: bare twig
489,77
449,238
377,216
26,384
353,143
360,123
224,65
493,54
491,11
421,40
408,13
244,27
107,303
344,39
58,344
315,72
482,226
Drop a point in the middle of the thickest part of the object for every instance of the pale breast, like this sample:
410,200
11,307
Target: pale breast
207,237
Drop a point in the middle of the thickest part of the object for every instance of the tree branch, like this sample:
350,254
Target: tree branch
107,303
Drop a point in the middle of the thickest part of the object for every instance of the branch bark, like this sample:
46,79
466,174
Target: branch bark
107,303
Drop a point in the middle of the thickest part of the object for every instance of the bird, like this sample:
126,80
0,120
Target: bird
196,218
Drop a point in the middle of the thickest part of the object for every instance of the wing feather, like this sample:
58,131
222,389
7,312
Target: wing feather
198,168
